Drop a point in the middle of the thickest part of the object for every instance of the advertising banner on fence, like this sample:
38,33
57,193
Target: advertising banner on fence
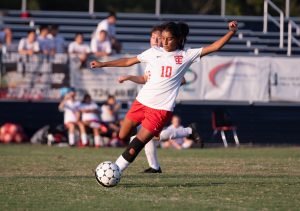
33,77
235,78
101,82
285,79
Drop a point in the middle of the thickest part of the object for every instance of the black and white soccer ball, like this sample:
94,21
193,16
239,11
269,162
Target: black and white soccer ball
108,174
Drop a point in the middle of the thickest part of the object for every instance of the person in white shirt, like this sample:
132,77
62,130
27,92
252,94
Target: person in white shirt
90,117
29,45
151,146
58,40
70,107
109,25
78,49
177,143
156,100
46,45
100,46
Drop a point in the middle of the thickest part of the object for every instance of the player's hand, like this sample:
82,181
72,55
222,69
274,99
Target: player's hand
233,26
96,64
122,78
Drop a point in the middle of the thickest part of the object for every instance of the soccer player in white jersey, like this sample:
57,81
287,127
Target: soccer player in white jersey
90,117
156,100
151,146
70,107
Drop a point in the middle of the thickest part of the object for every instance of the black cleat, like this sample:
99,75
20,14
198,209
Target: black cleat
195,136
152,170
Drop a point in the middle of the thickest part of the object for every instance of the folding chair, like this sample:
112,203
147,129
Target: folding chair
221,123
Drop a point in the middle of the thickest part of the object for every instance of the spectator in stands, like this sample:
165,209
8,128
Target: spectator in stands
109,25
90,118
46,44
100,45
178,143
78,49
109,113
7,45
29,45
58,40
70,107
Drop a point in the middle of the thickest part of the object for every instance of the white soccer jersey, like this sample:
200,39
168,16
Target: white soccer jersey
70,109
74,47
105,26
165,71
25,45
89,116
98,46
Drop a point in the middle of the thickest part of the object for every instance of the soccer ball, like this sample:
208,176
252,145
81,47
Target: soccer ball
108,174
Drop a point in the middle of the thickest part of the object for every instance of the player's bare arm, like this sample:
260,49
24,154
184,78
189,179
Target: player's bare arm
124,62
133,78
217,45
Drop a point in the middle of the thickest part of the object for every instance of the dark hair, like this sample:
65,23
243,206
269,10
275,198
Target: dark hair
111,14
54,27
42,27
86,97
78,34
30,31
180,31
156,28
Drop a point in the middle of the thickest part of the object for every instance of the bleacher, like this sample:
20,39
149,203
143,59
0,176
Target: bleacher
133,30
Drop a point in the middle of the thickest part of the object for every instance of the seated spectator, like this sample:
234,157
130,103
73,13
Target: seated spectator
70,107
59,41
79,49
29,45
109,115
109,25
100,46
46,44
90,117
178,143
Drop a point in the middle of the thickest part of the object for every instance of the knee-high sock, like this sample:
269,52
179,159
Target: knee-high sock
71,138
173,133
84,139
151,154
130,153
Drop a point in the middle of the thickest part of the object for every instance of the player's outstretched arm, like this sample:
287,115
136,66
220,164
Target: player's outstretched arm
133,78
124,62
217,45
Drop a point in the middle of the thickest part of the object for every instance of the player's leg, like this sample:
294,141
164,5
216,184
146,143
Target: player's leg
71,133
151,154
134,148
190,132
97,138
83,134
127,128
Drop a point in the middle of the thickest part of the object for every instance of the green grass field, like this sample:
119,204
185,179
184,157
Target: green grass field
51,178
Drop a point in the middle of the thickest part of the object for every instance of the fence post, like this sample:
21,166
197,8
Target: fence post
91,7
289,46
24,4
287,8
157,7
223,7
265,27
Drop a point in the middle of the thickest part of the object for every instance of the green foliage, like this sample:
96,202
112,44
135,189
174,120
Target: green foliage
211,7
51,178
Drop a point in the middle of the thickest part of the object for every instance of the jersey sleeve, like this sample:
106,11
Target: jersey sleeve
194,54
146,56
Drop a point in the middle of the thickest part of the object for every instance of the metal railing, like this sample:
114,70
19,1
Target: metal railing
280,24
292,25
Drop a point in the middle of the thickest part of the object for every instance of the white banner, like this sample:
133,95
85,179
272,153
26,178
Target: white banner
101,82
235,78
285,79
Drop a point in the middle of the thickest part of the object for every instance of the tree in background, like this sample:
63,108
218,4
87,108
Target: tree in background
211,7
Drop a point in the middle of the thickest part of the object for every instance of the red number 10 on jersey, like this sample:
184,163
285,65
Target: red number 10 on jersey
166,71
